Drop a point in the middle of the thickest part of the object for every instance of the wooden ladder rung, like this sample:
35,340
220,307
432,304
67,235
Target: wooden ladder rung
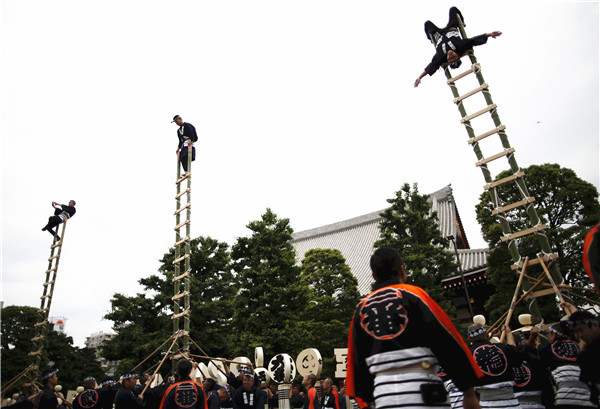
474,68
534,261
183,193
471,93
181,241
180,225
478,113
52,269
46,296
525,232
179,259
506,152
39,351
485,135
181,277
53,257
181,314
56,245
184,177
542,293
181,209
511,206
39,337
46,284
502,181
42,310
39,324
180,295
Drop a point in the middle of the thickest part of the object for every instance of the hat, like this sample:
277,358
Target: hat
74,202
175,117
49,374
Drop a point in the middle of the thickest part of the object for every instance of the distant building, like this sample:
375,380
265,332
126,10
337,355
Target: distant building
95,341
355,237
57,324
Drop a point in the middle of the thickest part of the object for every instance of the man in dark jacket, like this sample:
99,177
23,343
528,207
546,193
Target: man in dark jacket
61,213
48,399
397,337
449,46
185,393
125,398
187,136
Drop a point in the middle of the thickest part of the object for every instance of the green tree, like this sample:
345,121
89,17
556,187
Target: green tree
271,298
17,330
143,322
569,207
333,294
410,226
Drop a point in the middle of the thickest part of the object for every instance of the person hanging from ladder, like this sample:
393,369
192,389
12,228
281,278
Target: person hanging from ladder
187,136
449,46
61,213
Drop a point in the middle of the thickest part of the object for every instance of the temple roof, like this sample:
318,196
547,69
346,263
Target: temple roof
355,237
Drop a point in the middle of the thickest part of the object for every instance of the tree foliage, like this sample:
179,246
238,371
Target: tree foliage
142,322
569,207
17,330
333,294
410,226
271,299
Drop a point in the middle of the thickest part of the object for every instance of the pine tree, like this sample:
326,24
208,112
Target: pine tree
271,299
568,206
410,226
333,293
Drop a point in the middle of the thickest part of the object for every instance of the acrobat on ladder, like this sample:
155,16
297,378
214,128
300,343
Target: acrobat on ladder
451,44
450,47
186,154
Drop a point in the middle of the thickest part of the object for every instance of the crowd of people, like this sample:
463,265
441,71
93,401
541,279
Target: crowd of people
132,391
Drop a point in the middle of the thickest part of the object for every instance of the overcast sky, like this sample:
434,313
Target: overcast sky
306,107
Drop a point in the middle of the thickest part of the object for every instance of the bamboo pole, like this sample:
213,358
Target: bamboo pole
514,299
152,354
556,290
520,300
158,368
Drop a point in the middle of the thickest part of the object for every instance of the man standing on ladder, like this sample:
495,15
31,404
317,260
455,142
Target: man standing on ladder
449,46
61,213
187,136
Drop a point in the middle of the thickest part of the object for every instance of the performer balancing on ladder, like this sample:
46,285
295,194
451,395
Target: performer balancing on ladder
449,46
61,213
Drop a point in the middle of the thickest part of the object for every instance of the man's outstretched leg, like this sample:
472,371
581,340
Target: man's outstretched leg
432,30
452,19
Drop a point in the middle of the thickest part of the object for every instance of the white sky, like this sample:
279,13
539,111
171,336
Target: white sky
306,107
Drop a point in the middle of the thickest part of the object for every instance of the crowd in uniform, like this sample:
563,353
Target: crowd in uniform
133,391
403,351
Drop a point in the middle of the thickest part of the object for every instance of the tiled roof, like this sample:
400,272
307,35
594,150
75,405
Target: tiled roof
355,237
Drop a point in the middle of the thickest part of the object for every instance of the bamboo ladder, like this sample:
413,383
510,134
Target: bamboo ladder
537,228
182,244
41,327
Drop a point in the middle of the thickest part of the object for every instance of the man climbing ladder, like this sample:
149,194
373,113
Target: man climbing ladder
61,213
450,47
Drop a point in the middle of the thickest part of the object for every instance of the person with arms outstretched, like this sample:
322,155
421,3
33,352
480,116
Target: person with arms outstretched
449,45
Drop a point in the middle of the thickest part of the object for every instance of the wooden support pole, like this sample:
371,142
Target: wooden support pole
556,290
158,368
514,299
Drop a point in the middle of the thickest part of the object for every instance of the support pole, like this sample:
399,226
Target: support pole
514,299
